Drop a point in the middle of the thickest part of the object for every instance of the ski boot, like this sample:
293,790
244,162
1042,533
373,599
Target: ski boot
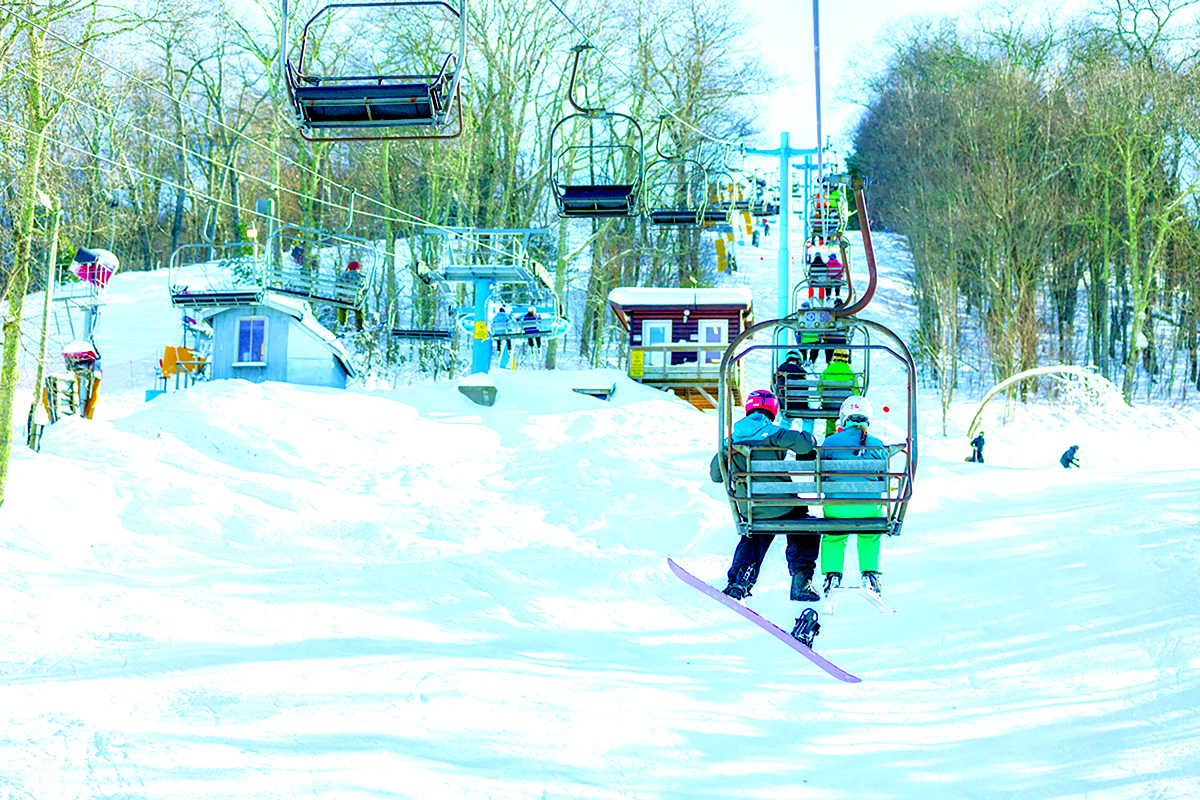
807,627
739,585
802,589
833,580
872,582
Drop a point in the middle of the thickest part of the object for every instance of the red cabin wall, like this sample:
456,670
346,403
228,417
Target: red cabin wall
683,330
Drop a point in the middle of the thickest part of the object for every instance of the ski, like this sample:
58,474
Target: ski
765,624
831,599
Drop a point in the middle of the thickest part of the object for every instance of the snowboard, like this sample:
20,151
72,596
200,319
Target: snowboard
831,599
764,623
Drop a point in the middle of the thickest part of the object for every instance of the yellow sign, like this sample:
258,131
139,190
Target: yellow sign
637,364
722,259
481,331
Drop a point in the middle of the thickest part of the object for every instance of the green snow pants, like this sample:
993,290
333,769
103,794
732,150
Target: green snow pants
833,552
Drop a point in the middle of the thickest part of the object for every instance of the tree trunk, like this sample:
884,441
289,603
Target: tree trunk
27,184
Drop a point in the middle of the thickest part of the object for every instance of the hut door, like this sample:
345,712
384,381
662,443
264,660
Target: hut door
655,334
714,331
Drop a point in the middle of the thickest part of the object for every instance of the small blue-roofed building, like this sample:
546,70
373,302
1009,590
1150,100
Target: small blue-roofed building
275,339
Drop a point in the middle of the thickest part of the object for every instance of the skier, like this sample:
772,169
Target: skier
817,273
1068,459
837,275
977,449
500,325
853,442
838,372
787,377
532,328
348,287
758,429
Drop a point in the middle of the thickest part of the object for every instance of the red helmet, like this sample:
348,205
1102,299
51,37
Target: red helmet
763,400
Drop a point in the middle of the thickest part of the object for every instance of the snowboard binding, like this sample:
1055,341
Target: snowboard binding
807,627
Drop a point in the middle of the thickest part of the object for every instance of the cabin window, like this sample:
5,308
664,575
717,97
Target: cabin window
714,331
655,333
251,342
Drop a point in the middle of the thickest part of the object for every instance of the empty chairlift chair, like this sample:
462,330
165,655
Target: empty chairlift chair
675,187
597,165
421,101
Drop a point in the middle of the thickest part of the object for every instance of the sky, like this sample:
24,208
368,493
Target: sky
854,39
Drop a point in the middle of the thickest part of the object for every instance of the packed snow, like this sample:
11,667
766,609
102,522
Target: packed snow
252,591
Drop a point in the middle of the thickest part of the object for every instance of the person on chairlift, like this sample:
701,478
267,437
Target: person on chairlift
349,281
758,430
852,442
532,327
838,371
500,325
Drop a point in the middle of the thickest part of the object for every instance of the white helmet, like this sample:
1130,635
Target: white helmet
855,411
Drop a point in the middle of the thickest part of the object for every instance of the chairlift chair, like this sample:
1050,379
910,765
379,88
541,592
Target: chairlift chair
346,107
675,187
206,275
315,265
608,147
757,479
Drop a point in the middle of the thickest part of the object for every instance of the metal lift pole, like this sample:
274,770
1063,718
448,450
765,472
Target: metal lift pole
481,349
785,153
817,82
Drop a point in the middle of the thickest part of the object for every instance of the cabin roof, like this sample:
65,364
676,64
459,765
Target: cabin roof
627,296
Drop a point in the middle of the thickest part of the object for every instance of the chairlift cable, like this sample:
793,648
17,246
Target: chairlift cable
631,80
398,214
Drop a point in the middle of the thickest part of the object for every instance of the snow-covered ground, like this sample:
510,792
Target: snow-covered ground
270,591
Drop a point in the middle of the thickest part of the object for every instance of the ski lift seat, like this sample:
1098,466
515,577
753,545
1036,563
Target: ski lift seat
675,217
815,483
422,334
611,200
797,394
290,279
368,102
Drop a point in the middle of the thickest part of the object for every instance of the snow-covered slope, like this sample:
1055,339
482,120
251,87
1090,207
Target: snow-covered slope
269,591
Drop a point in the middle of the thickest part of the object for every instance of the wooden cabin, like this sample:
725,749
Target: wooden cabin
275,339
677,337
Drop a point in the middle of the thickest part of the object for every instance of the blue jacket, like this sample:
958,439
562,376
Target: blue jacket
849,444
757,430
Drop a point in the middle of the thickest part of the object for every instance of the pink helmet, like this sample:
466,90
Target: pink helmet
763,400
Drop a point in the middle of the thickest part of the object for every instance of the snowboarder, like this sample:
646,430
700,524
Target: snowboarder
977,449
853,442
1068,459
758,429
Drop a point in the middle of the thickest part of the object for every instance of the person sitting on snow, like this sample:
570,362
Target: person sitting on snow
758,430
1068,459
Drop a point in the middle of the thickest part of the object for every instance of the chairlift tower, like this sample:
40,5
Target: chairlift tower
489,258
